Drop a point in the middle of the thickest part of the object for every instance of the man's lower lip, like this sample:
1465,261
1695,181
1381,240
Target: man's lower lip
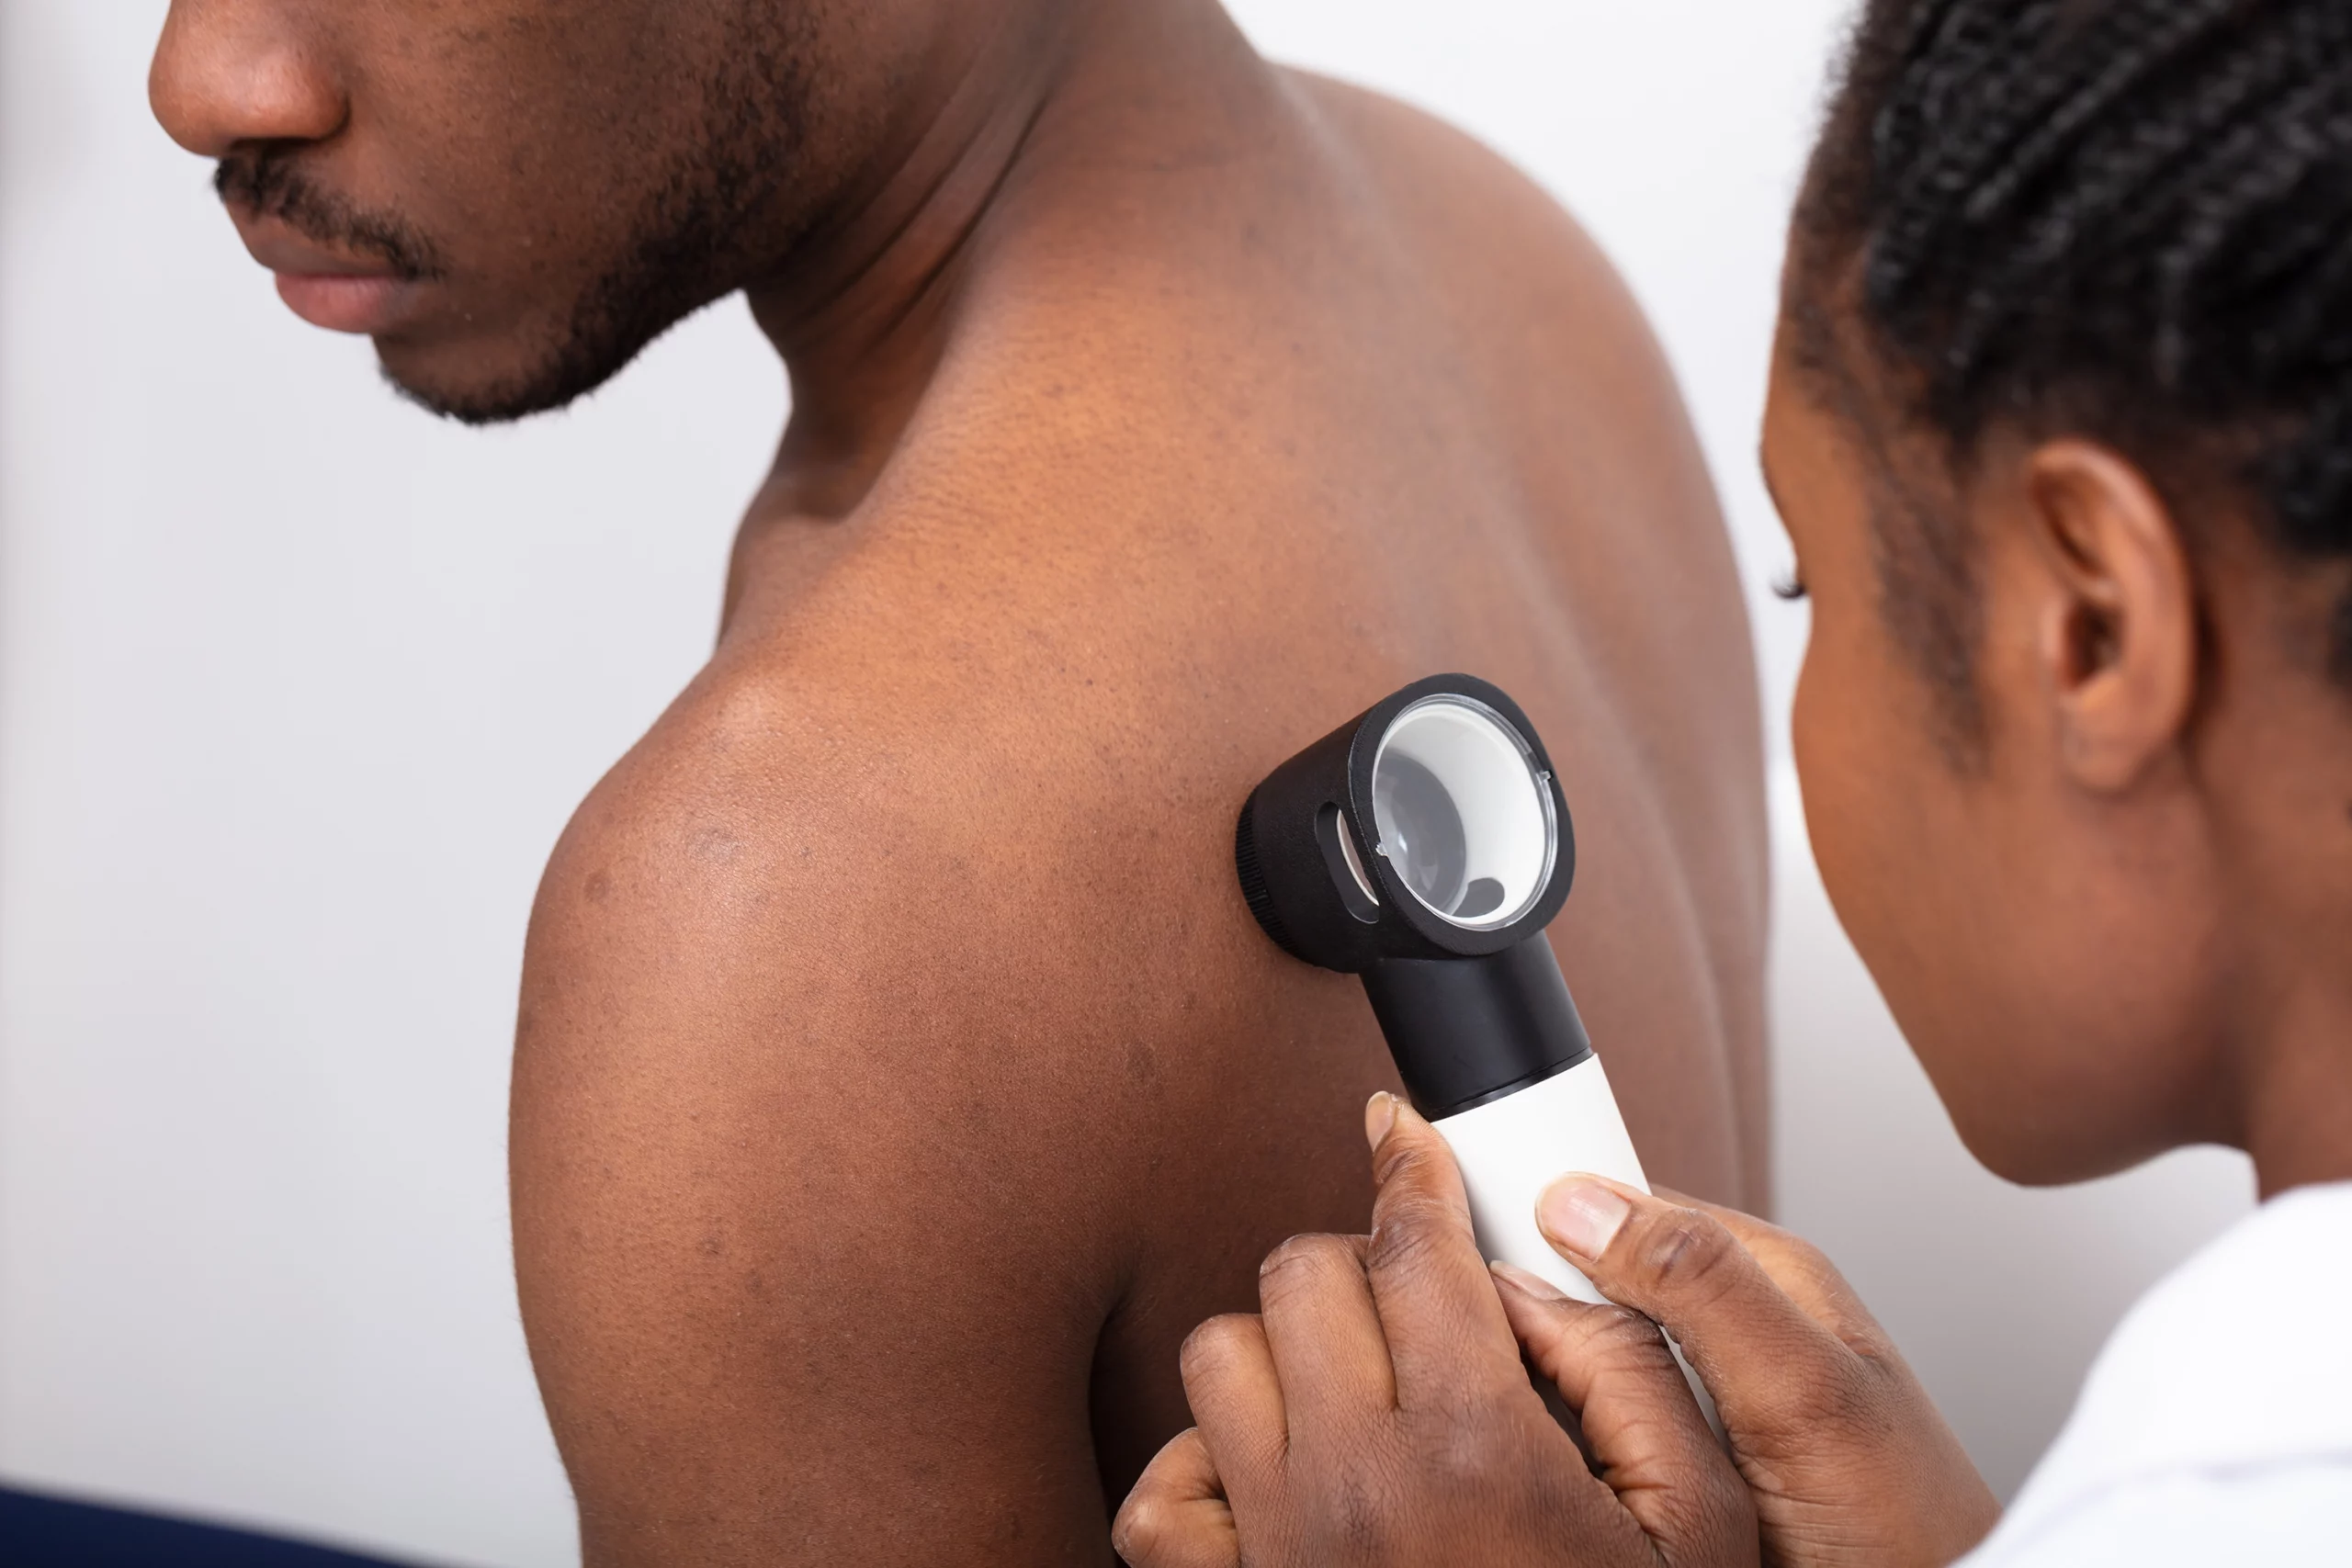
341,302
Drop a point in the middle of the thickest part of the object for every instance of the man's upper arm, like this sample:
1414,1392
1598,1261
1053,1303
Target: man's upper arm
793,1287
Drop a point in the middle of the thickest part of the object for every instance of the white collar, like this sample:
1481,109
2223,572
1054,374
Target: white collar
2240,1358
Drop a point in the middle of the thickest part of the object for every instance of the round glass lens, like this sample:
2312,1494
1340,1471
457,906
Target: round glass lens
1464,818
1420,831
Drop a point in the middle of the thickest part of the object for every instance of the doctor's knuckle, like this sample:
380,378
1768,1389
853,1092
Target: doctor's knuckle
1809,1263
1212,1347
1141,1524
1305,1266
1626,1336
1410,1230
1683,1248
1402,1159
1828,1401
1812,1268
1614,1324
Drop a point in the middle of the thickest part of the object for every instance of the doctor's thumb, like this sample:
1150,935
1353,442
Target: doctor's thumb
1849,1457
1682,1267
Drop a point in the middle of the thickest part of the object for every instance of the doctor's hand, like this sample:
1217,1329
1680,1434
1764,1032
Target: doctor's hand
1847,1461
1377,1412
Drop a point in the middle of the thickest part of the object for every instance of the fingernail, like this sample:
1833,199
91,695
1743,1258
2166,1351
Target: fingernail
1528,1284
1582,1216
1379,1115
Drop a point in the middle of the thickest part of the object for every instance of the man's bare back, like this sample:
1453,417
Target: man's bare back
901,1076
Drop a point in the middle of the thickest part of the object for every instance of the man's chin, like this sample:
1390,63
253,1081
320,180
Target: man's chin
462,386
495,376
465,404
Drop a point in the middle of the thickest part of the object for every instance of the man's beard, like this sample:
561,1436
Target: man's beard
683,253
704,227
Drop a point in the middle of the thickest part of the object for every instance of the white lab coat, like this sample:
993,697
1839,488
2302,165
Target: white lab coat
2216,1425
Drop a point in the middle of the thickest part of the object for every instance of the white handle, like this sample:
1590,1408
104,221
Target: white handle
1512,1148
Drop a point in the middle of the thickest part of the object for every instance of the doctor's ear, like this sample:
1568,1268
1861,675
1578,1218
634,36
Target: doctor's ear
2114,616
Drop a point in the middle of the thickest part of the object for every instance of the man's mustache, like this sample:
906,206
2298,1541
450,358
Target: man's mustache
268,183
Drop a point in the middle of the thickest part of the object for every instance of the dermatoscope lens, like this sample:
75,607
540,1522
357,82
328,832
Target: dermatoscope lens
1463,816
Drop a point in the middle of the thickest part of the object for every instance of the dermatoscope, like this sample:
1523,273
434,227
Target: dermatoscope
1423,846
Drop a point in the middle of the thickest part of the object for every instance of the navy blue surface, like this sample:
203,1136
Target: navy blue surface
49,1533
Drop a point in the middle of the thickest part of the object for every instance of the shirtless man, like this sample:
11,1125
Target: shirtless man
1154,410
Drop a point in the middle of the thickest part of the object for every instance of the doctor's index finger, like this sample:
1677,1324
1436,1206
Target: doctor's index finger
1237,1402
1324,1331
1447,1330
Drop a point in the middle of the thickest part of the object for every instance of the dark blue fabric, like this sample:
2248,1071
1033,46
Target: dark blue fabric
49,1533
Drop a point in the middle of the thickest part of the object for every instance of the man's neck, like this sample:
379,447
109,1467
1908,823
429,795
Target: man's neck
862,311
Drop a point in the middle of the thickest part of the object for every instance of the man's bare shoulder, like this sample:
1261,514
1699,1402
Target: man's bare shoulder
831,855
832,1007
1453,192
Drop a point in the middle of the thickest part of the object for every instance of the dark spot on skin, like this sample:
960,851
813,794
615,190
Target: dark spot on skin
598,887
712,1247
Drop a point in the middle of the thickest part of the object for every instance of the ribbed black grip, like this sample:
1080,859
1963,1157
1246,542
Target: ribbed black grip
1253,876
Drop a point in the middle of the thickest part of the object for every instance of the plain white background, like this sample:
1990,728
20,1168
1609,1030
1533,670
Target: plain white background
297,687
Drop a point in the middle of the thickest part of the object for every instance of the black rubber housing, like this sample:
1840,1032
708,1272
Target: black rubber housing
1294,888
1470,1016
1466,1031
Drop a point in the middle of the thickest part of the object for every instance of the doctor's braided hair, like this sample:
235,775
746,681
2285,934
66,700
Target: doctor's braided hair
2127,219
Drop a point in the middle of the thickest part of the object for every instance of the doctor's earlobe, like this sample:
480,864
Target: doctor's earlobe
2114,611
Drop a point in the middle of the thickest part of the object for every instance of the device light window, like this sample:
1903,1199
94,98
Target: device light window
1465,818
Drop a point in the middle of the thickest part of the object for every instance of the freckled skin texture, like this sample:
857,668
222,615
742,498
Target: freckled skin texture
899,1076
